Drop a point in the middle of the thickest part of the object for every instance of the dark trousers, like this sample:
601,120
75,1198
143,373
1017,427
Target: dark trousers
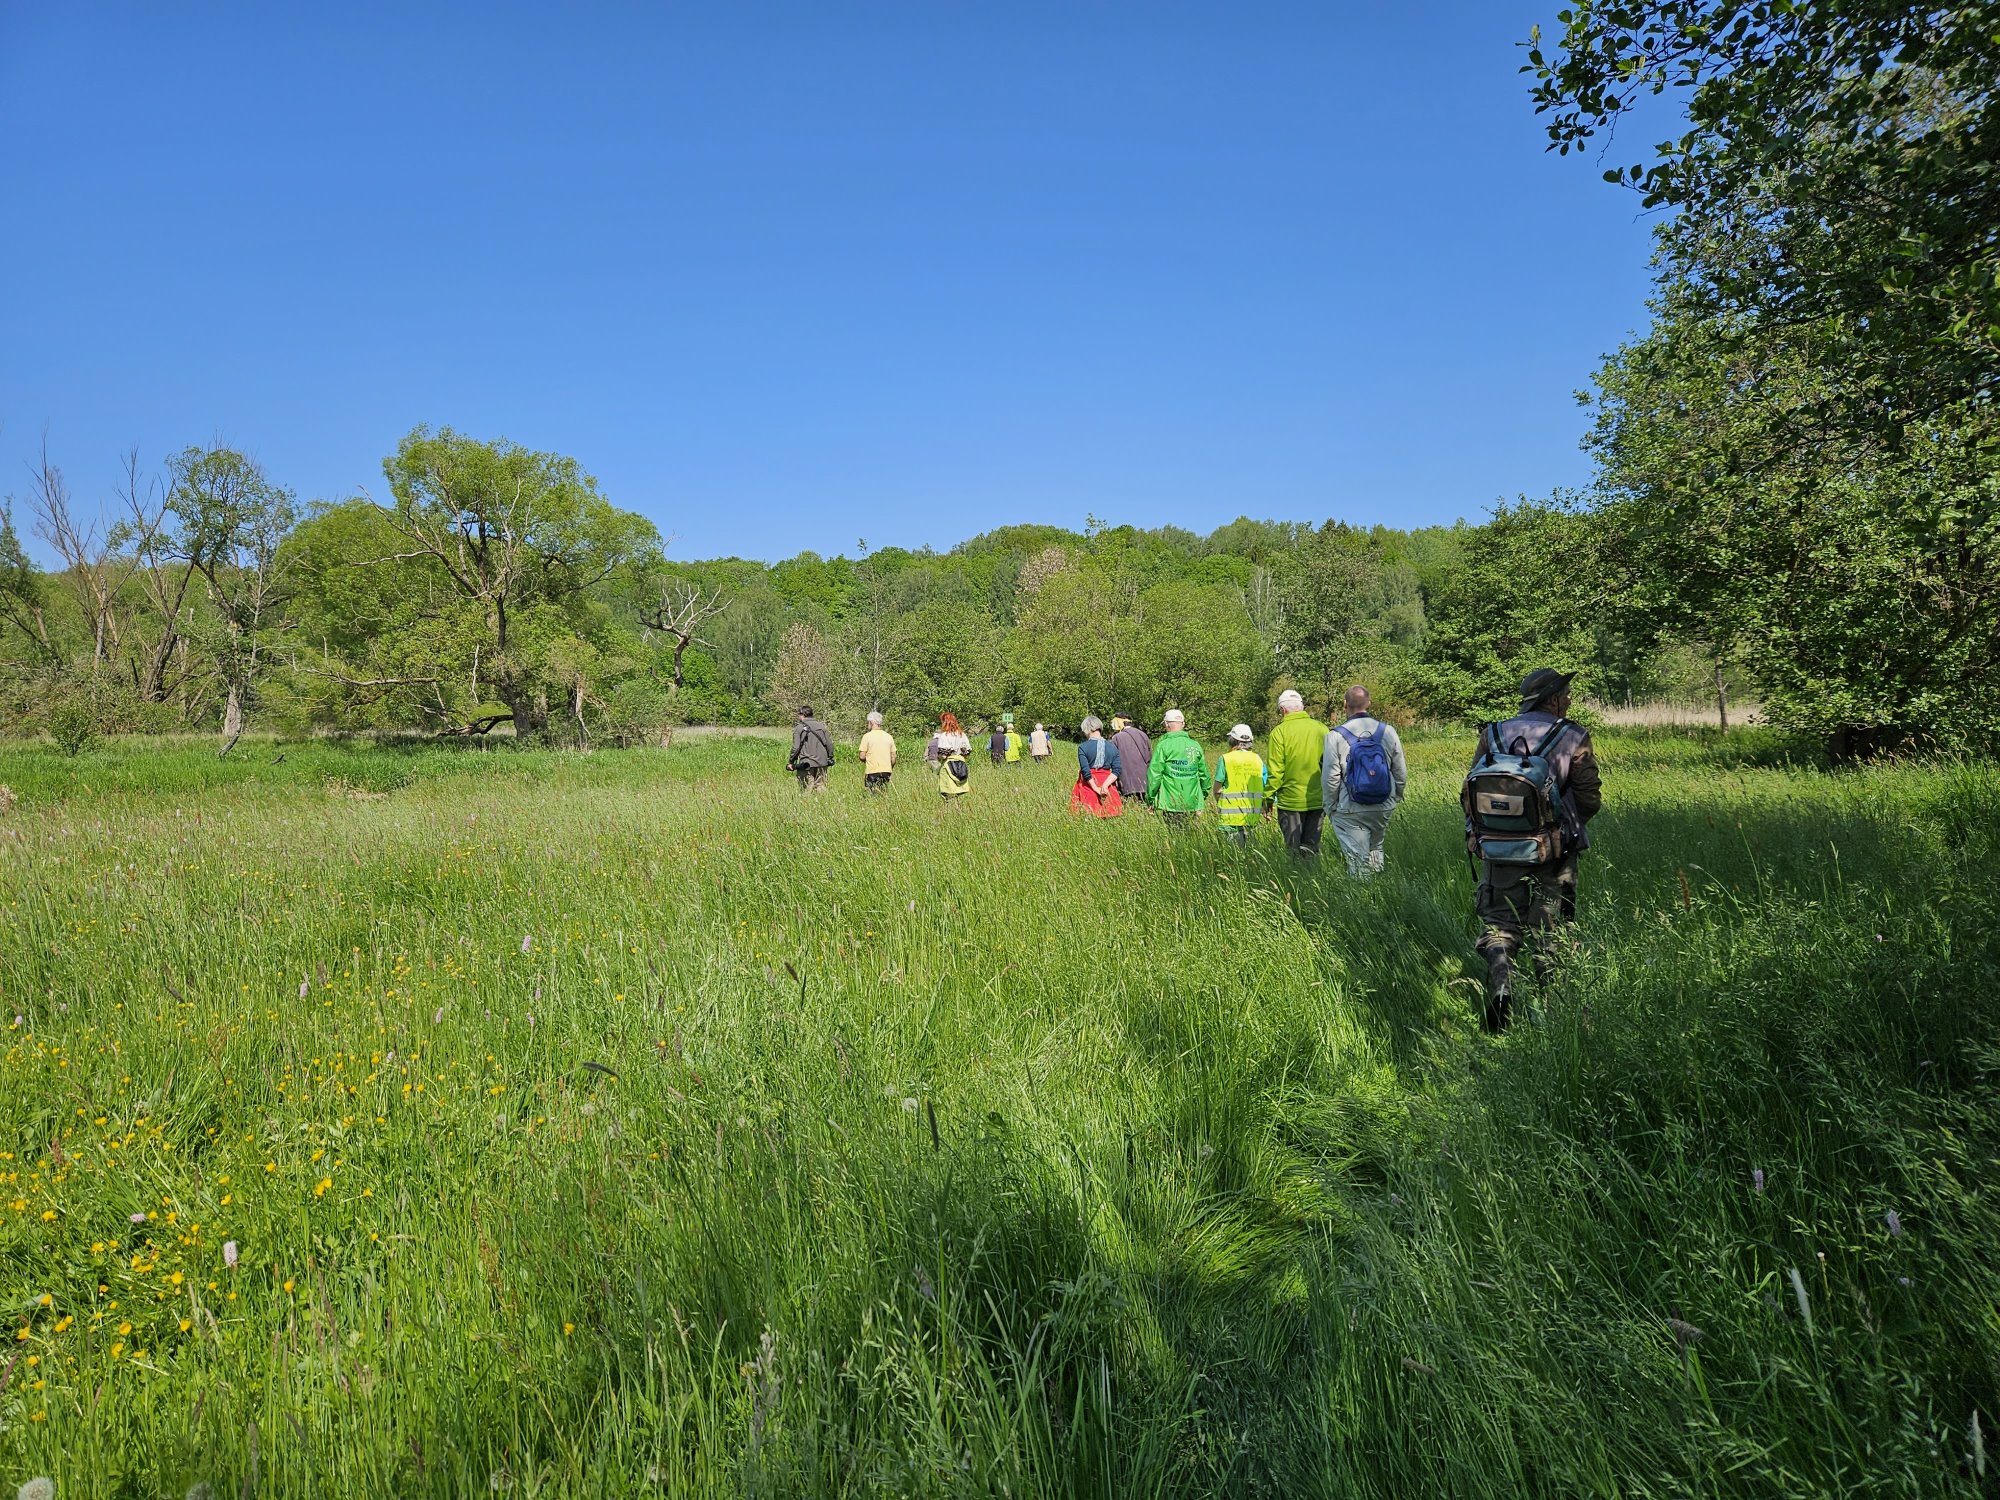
1522,906
1301,829
811,778
876,781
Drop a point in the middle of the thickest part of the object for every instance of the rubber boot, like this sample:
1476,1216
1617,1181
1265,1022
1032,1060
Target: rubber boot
1499,1012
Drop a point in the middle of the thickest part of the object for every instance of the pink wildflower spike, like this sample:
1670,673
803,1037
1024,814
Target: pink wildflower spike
305,988
527,941
229,1254
136,1218
1757,1179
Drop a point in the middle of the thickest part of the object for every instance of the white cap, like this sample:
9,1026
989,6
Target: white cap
1290,701
874,716
1173,716
1242,732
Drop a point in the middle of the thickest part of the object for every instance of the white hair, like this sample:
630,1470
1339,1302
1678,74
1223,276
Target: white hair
1173,716
874,716
1092,725
1291,701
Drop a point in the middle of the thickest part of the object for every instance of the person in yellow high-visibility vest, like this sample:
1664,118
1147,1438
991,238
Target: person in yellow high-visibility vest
1240,779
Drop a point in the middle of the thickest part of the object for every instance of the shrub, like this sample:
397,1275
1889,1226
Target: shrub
73,723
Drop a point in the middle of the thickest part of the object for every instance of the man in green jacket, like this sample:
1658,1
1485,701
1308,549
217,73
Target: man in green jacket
1177,780
1293,753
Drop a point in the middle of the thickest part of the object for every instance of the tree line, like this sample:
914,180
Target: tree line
498,585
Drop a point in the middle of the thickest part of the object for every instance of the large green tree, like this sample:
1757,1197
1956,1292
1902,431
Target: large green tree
229,524
519,540
1857,580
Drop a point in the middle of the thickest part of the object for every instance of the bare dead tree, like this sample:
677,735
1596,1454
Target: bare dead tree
682,610
93,570
164,572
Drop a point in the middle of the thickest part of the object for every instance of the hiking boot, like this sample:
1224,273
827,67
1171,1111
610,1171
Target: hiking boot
1499,1011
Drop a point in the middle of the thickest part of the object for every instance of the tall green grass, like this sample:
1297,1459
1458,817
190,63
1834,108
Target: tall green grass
629,1124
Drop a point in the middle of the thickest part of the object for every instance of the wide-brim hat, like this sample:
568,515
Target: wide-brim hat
1543,683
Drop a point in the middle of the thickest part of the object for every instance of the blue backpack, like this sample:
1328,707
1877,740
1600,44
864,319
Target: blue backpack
1369,779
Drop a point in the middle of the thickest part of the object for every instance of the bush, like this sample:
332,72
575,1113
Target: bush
73,723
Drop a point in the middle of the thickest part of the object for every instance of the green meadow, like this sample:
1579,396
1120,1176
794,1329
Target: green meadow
395,1120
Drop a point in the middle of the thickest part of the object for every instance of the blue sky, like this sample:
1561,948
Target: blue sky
787,276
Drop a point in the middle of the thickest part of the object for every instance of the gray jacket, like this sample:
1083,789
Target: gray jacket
812,746
1333,764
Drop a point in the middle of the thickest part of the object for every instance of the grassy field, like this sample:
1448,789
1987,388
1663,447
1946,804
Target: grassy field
406,1121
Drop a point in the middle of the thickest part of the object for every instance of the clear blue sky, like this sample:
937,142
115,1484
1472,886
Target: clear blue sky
783,276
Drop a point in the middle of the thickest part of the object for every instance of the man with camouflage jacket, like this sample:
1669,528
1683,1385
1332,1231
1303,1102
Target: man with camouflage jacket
1516,903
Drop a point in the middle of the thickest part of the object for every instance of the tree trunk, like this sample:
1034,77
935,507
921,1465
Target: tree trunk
530,709
232,719
1721,700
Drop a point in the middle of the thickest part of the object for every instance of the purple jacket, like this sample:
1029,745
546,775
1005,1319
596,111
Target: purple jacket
1135,754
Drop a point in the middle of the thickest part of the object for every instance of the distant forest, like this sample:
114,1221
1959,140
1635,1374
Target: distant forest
499,587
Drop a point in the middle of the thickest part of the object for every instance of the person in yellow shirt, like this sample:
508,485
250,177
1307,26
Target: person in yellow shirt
878,754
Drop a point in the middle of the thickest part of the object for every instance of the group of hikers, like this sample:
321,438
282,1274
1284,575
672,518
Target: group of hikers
1531,792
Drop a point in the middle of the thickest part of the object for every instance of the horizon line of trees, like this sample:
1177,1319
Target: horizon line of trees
497,585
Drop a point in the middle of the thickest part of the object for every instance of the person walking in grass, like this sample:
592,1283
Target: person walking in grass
812,751
996,744
1295,749
954,758
1135,756
1013,740
1364,775
1242,781
1528,799
1038,745
1177,777
1096,789
878,754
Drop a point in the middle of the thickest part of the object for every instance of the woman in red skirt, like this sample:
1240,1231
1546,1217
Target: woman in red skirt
1096,789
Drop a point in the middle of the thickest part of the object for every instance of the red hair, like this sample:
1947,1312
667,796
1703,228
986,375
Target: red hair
948,722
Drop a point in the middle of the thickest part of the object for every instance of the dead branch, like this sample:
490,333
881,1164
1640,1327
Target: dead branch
682,610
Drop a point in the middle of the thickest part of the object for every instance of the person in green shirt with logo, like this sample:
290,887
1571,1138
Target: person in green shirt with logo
1177,780
1241,780
1294,750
